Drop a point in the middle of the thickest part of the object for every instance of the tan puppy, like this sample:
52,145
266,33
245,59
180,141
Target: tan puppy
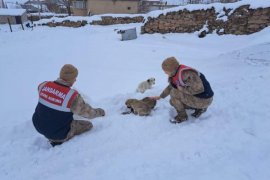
141,107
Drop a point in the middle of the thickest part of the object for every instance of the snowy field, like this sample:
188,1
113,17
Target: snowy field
231,141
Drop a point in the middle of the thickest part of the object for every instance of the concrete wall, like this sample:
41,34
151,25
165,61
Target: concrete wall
113,6
79,12
242,20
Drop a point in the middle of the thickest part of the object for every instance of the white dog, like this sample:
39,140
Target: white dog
143,86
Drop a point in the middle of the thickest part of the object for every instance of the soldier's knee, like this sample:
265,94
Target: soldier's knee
84,126
171,102
174,101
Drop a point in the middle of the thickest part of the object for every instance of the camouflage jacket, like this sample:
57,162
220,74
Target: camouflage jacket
193,81
80,107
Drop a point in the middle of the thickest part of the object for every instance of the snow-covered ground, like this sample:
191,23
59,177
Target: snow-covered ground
230,141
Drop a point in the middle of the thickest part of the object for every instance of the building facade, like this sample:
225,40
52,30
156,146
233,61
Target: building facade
94,7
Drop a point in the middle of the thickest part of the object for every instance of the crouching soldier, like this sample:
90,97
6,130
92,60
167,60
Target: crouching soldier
188,89
57,103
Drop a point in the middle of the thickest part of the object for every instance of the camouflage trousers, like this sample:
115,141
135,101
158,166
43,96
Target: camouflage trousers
181,102
77,127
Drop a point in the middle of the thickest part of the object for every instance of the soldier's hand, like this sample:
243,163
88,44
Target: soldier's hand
101,111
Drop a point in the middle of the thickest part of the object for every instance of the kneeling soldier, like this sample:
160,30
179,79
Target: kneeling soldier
57,103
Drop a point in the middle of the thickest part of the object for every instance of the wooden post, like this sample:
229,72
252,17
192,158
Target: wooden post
9,25
21,21
22,25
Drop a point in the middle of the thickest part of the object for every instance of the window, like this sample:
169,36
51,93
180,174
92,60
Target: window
129,8
79,4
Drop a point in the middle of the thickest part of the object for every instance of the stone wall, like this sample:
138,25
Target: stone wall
242,20
37,18
109,20
66,23
105,20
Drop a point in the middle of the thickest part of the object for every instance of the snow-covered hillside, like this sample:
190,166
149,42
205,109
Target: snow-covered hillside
230,141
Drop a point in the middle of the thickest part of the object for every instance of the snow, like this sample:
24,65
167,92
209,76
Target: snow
10,5
222,16
12,12
230,141
86,18
185,2
15,1
176,2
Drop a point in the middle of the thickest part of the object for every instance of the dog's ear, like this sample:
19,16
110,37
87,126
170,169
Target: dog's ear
127,103
148,80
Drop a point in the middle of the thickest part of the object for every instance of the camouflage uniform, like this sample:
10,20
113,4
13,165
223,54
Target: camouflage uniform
79,107
56,121
183,97
77,127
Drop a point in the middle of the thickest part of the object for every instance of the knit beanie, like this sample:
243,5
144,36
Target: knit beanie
170,65
68,73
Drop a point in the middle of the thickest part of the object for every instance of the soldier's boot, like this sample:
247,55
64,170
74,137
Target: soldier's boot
53,143
181,117
198,112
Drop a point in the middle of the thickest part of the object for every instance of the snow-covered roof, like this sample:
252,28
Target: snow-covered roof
12,12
